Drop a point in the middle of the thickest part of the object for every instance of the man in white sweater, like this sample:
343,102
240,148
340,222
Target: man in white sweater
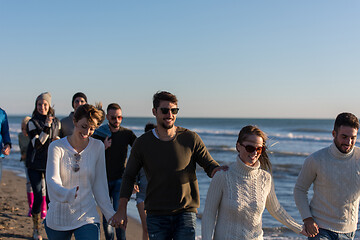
334,172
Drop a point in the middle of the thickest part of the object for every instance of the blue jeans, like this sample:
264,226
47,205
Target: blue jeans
114,193
176,227
330,235
89,231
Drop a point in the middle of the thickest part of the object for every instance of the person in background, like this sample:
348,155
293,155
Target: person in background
67,125
140,195
169,155
334,172
42,128
76,179
5,141
24,141
116,140
236,199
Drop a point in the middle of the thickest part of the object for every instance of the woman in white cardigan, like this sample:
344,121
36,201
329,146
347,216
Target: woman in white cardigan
76,180
236,198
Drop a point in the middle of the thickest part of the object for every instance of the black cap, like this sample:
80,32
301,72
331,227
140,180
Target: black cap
76,95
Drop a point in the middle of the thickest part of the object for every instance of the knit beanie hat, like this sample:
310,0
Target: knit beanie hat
44,96
76,95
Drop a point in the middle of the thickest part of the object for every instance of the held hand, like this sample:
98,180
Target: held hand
119,220
221,168
311,228
6,149
107,142
303,232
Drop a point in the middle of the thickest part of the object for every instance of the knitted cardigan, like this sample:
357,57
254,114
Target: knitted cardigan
236,200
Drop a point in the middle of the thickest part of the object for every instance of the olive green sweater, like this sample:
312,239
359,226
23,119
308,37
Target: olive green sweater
170,167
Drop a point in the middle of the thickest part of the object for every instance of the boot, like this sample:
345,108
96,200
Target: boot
30,197
43,208
36,222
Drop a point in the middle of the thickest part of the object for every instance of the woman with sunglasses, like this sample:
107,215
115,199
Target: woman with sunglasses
76,179
236,198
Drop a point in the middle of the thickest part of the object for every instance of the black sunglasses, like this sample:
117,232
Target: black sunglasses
251,149
166,110
76,165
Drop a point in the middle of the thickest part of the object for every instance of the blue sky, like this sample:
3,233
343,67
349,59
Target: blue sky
261,58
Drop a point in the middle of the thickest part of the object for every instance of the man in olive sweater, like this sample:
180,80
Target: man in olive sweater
168,155
334,172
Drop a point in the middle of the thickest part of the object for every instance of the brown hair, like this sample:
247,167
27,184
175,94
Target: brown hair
113,106
163,96
346,119
91,113
254,130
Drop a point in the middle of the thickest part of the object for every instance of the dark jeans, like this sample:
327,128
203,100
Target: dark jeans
114,193
176,227
35,177
330,235
89,231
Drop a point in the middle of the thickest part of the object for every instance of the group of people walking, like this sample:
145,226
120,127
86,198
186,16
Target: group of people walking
84,165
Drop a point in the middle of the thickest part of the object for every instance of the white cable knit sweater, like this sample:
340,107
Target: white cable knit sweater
235,202
65,211
336,181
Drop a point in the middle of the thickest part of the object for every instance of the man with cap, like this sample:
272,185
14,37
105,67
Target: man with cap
67,125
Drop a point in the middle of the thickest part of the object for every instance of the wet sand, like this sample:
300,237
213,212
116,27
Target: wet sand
14,223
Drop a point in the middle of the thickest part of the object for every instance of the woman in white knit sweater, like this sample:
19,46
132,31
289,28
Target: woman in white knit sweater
236,198
76,180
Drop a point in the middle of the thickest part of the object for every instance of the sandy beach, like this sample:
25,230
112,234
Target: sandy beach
14,223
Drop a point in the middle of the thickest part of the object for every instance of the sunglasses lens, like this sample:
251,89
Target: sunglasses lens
164,110
76,167
251,149
174,110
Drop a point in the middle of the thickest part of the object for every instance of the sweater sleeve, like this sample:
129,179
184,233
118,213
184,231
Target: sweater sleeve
38,140
306,177
53,180
5,131
100,185
212,204
279,213
203,157
132,169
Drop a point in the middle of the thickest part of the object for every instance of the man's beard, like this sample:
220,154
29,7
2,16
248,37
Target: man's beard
338,146
112,125
167,126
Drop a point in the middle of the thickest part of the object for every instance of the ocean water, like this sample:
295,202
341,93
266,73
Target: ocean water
290,141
